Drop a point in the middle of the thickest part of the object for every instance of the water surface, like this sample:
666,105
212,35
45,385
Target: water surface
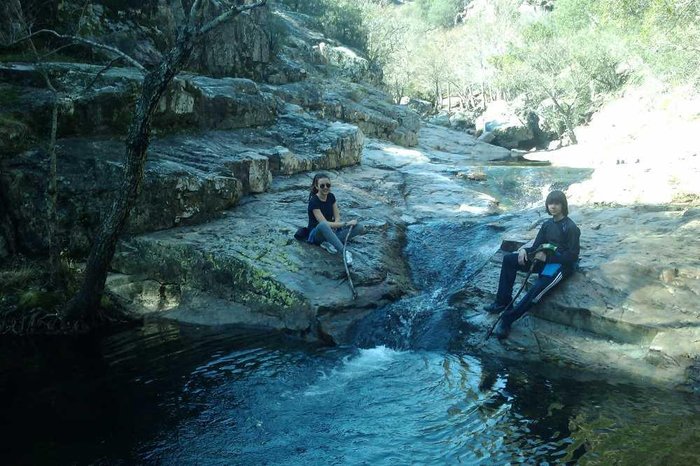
172,394
405,392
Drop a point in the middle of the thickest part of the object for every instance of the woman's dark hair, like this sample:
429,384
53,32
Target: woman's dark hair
557,197
317,177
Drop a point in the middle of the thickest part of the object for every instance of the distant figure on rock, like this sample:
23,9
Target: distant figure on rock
553,256
325,226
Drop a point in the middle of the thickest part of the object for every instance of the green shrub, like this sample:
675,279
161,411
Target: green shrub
15,135
440,13
21,277
663,34
9,95
32,299
342,20
565,66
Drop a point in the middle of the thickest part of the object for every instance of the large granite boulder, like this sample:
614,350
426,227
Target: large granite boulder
507,128
422,107
146,29
463,119
107,107
247,268
441,119
209,103
172,193
371,110
189,178
299,48
240,47
349,63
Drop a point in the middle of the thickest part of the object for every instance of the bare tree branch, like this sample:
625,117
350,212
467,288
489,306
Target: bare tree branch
100,73
155,84
196,5
54,51
52,191
89,42
233,11
79,23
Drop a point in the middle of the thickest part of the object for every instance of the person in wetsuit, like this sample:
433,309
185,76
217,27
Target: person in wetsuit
552,269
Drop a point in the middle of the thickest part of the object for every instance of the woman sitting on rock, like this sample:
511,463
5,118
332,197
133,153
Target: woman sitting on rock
325,227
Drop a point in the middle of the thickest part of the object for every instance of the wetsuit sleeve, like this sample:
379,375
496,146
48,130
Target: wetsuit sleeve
539,239
567,253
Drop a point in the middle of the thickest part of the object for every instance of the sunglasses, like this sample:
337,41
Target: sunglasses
324,185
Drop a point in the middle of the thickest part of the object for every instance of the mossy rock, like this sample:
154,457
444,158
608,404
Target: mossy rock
9,96
32,299
15,136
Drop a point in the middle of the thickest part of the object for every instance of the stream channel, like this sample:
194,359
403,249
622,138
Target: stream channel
406,392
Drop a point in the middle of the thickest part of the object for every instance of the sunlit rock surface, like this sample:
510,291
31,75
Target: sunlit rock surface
250,260
633,306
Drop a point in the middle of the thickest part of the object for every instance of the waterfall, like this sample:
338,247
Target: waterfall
443,255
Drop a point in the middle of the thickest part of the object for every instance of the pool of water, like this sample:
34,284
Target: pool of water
520,186
174,394
406,392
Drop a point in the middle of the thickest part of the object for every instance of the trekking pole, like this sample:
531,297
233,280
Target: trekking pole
345,263
522,287
547,249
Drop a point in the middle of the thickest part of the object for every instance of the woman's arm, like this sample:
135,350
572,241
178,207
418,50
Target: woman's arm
337,223
320,218
336,214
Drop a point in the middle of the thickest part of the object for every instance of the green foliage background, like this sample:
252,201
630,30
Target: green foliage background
562,61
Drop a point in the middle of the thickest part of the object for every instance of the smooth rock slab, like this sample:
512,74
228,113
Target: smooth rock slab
635,296
250,260
369,109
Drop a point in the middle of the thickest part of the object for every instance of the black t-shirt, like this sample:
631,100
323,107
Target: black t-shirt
326,209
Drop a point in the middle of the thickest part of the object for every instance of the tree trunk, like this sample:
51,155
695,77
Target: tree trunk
566,116
438,97
449,98
155,84
483,96
52,194
7,225
570,131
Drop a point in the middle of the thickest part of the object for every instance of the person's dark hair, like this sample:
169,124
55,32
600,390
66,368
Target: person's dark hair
317,177
557,197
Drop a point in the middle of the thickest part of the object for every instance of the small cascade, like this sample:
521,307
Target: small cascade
443,255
